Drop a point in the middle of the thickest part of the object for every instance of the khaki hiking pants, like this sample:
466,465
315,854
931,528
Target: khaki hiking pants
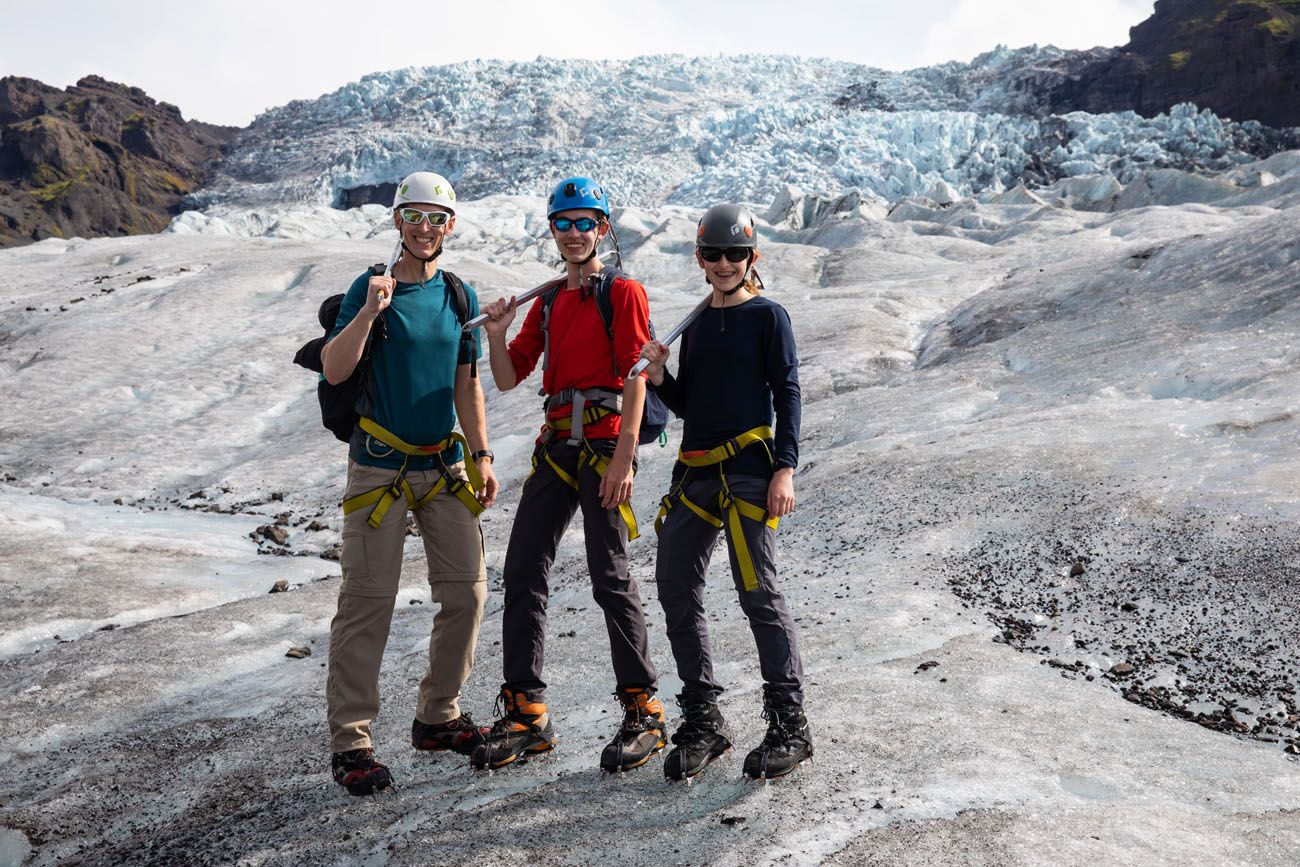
372,566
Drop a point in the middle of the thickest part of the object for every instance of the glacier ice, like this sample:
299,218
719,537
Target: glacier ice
692,131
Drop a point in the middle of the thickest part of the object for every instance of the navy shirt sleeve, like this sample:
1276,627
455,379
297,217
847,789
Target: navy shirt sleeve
782,370
672,391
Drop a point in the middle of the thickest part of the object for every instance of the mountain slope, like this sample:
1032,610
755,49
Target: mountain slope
1238,58
98,158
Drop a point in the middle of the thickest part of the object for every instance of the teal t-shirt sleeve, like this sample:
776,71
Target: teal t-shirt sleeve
353,301
470,353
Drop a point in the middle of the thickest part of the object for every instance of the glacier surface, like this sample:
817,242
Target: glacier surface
1043,563
994,392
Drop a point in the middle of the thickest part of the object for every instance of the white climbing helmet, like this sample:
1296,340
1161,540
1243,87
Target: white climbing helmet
426,187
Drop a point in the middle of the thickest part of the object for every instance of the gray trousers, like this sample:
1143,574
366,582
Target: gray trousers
686,544
546,507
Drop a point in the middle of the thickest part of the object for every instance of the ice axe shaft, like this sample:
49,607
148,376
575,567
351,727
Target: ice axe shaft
478,321
388,269
672,335
392,260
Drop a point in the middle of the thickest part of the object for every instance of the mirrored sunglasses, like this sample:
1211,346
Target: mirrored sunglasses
582,224
733,254
415,216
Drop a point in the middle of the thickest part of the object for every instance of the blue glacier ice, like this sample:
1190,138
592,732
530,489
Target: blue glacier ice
689,131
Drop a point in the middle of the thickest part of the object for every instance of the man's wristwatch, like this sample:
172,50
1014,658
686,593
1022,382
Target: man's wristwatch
484,453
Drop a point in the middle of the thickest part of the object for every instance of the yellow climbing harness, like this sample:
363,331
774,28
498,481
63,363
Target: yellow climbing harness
384,497
587,457
590,415
732,507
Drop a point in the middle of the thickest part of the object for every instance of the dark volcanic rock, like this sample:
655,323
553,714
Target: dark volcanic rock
1239,58
1214,640
99,158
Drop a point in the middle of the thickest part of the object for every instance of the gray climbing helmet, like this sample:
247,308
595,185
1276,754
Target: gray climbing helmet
726,226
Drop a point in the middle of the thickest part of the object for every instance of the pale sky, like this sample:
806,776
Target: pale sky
226,61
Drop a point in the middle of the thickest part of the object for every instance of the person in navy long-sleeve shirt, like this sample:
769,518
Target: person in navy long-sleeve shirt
737,391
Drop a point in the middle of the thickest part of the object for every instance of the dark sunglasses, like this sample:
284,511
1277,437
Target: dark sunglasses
582,224
733,254
415,217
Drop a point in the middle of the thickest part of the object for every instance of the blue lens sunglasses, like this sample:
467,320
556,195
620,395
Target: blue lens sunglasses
582,224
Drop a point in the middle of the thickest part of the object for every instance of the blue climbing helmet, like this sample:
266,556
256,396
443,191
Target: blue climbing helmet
573,193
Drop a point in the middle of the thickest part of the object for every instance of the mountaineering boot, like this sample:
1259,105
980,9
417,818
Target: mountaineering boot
700,739
359,773
524,729
786,745
640,736
459,735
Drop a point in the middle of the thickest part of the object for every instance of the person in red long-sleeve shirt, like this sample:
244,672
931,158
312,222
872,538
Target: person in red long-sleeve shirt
584,458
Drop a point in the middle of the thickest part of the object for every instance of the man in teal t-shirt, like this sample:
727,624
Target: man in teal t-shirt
414,366
404,455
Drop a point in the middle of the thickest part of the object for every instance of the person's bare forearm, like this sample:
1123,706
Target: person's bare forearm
630,425
503,369
469,408
468,397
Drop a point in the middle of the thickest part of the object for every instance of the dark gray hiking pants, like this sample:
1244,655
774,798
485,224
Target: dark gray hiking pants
546,507
686,544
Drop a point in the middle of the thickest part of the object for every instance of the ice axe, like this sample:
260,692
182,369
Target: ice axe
392,260
672,335
477,321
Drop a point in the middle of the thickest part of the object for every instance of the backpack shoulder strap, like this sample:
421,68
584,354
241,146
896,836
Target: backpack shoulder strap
548,301
458,291
604,297
461,301
604,291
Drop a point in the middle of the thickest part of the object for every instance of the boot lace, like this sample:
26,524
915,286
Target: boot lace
508,724
636,718
783,726
696,724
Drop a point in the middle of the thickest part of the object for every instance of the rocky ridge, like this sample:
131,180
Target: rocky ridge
98,158
1238,58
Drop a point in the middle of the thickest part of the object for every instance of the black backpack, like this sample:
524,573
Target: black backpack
341,405
654,414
